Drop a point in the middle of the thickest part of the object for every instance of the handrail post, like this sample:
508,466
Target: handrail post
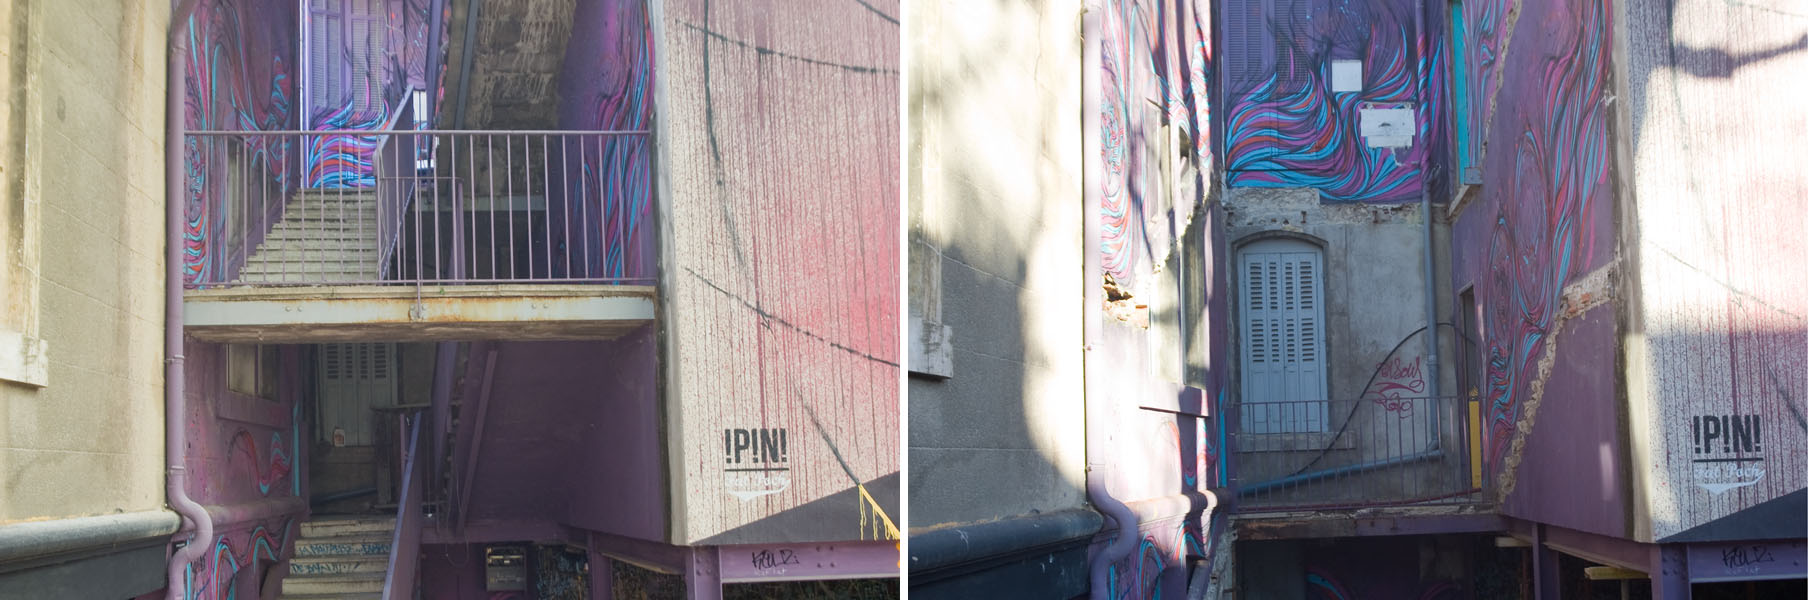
405,543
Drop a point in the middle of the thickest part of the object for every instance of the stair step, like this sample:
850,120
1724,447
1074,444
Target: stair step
351,583
280,268
330,257
339,565
343,546
332,527
367,238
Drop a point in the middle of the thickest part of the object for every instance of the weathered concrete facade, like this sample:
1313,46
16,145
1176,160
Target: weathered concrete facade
778,207
994,233
1717,324
81,96
1009,382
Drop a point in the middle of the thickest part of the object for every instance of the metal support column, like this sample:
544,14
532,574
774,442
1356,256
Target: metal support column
1545,573
703,573
1669,573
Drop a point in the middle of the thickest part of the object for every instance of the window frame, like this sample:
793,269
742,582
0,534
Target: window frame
1282,244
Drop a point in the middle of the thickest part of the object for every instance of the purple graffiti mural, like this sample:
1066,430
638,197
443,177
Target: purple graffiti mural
1127,63
242,459
240,77
1288,127
363,57
606,84
279,466
260,548
1547,192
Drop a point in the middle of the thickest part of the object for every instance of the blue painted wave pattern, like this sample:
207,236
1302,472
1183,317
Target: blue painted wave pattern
223,65
617,175
1296,132
1543,230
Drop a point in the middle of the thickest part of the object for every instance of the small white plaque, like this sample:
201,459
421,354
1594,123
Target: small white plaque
1346,76
1387,125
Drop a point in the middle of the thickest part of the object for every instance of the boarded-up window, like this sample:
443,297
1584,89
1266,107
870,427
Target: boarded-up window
253,369
345,57
354,378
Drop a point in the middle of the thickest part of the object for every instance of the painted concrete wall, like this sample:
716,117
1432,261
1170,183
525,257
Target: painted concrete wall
243,453
1721,318
571,437
82,227
1533,242
1297,165
1164,347
994,228
779,200
1375,351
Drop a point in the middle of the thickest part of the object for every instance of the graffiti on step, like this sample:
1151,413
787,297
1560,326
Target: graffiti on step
1728,451
758,462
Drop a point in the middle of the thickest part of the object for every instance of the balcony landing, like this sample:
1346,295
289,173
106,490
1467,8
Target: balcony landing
1391,520
404,313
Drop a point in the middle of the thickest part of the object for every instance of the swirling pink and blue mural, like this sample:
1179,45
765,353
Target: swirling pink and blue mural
1286,126
240,77
1544,199
1130,77
259,547
361,84
607,85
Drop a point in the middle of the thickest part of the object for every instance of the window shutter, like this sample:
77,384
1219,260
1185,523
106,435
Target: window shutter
353,379
1283,357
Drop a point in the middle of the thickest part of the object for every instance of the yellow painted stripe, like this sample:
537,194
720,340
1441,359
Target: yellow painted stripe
1475,443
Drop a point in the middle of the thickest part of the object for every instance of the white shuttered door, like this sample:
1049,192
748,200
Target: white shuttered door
353,379
1283,339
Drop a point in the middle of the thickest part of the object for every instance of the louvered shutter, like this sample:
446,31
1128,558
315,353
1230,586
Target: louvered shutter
326,44
353,379
1283,337
345,57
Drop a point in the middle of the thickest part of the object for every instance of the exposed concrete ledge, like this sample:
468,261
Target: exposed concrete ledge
400,313
39,539
232,515
1410,520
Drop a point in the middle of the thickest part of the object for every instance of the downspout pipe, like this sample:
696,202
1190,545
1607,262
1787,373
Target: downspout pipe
175,399
1099,415
1432,368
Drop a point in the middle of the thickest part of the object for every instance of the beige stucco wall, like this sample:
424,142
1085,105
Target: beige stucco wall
81,123
992,165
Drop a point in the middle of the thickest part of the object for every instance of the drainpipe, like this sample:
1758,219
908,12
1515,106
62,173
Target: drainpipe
1431,259
1099,415
175,400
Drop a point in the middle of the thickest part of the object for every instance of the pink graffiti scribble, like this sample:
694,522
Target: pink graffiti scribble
1398,384
279,462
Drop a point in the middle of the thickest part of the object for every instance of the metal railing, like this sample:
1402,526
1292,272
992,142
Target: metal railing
1372,452
399,577
418,206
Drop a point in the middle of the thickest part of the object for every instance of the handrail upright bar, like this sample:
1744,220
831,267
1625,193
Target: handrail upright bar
490,192
546,197
508,166
565,199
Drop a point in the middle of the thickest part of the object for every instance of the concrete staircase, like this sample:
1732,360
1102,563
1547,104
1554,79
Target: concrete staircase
340,558
325,236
